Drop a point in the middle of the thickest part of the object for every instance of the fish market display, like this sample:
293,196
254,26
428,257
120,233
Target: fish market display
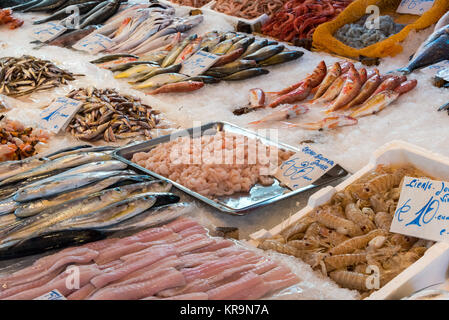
433,50
178,260
7,18
241,57
345,93
78,192
298,19
341,238
206,164
248,9
18,142
108,115
357,35
191,3
27,74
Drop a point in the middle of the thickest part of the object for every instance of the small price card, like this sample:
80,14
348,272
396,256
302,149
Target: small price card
303,168
434,68
59,113
198,63
48,31
94,43
416,7
52,295
423,209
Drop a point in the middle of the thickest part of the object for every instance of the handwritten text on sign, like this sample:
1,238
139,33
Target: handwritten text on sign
48,31
198,63
94,43
303,168
417,7
58,114
52,295
423,209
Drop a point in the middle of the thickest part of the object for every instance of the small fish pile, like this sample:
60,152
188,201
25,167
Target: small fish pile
175,261
247,9
18,142
191,3
214,165
109,115
7,18
27,74
241,56
345,92
75,193
351,232
357,35
298,19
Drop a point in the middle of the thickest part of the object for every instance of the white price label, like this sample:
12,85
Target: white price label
52,295
48,31
416,7
423,209
198,63
94,43
59,113
434,68
303,168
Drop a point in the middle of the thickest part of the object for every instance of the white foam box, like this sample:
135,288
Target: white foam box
433,266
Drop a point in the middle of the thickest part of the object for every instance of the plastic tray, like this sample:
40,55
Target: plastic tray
430,269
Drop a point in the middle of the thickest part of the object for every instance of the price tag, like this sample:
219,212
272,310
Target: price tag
198,63
423,209
303,168
434,68
48,31
57,115
416,7
94,43
52,295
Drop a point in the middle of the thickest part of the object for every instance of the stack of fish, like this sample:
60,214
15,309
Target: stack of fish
178,260
27,74
73,195
112,116
241,56
345,92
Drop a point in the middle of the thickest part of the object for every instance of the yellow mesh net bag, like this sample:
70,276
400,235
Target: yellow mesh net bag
323,39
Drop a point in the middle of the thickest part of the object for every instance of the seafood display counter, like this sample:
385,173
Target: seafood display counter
188,150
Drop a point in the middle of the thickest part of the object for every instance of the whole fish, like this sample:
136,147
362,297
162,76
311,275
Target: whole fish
255,46
7,206
228,57
256,98
34,207
241,44
136,71
72,37
246,74
160,80
65,162
329,123
171,69
265,53
112,57
434,50
204,79
189,50
174,53
23,6
62,13
288,112
333,73
389,83
333,91
367,90
295,95
60,154
40,223
46,5
136,66
222,47
231,68
157,56
183,86
165,43
281,58
153,217
63,184
100,15
350,90
210,42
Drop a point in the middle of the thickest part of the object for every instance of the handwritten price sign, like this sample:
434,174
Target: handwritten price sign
93,43
303,168
48,31
198,63
57,115
52,295
416,7
423,209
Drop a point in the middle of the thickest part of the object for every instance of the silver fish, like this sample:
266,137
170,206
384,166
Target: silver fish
7,206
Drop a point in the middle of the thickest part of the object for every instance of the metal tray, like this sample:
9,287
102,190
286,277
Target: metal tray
239,203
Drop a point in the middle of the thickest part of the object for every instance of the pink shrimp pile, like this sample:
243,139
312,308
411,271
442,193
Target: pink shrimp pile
248,9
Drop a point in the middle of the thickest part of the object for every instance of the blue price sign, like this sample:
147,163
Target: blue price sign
94,43
58,114
48,31
416,7
198,63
